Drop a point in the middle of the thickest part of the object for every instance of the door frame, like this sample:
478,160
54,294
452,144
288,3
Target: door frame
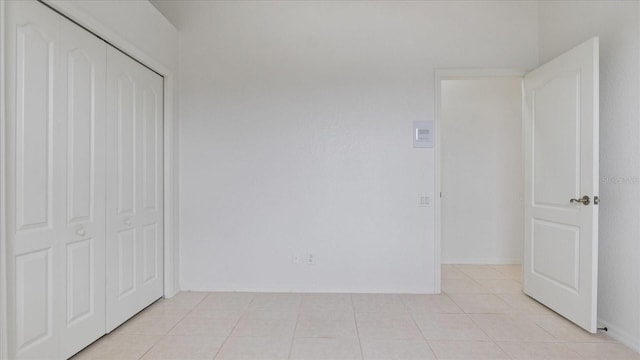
4,345
170,158
440,75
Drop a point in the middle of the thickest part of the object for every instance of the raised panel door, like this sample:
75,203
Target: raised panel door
35,208
134,188
82,247
561,167
56,193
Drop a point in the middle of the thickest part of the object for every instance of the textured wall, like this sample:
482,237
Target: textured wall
562,26
296,127
136,22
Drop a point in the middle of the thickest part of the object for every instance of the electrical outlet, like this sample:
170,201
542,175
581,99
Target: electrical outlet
296,259
424,201
311,260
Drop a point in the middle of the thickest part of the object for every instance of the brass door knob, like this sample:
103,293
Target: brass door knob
583,200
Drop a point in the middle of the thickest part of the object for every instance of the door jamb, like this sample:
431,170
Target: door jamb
440,75
4,345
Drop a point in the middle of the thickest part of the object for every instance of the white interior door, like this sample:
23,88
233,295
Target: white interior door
134,187
82,247
56,185
561,164
35,211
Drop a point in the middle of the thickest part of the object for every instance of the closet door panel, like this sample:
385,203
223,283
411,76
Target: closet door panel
83,253
151,180
151,202
150,250
34,125
124,181
126,257
80,283
35,209
126,120
56,205
81,124
122,236
34,304
134,232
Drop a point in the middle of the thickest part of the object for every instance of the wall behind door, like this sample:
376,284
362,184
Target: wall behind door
481,170
296,135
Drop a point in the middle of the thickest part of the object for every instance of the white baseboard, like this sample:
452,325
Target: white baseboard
620,335
310,288
500,261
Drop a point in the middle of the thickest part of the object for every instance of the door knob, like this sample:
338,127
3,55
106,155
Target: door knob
80,231
583,200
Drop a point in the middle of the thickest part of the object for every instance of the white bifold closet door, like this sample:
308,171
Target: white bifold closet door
134,187
56,183
85,184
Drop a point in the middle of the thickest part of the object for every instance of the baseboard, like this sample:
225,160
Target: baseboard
620,335
500,261
302,289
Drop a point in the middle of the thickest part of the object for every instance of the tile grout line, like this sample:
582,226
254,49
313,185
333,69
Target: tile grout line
151,347
415,322
454,303
355,320
503,350
491,340
472,279
494,341
510,315
471,318
174,325
295,328
244,310
188,312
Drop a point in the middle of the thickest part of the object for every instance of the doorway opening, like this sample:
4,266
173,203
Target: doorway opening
479,167
479,174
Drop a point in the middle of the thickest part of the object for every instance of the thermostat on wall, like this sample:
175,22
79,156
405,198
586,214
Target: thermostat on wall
423,134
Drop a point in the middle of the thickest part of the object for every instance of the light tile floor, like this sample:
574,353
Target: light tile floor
482,314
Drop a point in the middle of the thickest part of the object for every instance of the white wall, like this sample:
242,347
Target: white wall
137,22
481,170
296,128
562,26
